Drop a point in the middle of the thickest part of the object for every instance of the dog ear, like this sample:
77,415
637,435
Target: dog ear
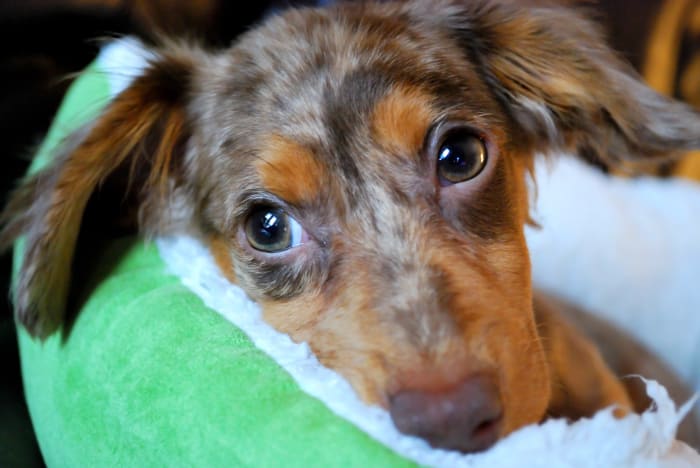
565,88
141,136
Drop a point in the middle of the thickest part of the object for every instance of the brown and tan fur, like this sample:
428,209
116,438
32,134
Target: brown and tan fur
403,284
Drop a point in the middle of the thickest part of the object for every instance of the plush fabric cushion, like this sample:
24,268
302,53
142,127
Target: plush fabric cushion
149,376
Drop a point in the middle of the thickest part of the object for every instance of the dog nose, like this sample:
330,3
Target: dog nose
466,417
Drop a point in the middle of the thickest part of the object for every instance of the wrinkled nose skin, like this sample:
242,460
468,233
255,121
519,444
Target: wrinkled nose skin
466,417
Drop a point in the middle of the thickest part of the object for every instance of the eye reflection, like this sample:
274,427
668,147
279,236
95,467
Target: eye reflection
269,229
461,157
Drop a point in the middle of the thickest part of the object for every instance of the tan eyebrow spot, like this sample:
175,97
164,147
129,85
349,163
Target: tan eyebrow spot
290,171
401,120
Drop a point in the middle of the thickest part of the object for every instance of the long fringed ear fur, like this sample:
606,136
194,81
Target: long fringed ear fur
140,134
564,87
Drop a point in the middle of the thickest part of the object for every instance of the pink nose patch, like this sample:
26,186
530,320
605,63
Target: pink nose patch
466,417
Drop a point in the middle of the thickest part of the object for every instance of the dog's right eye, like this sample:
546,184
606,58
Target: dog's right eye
461,157
271,230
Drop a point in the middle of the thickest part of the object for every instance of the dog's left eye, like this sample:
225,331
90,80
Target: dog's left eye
461,156
271,230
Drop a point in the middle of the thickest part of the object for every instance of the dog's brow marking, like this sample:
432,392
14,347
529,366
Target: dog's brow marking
401,120
290,171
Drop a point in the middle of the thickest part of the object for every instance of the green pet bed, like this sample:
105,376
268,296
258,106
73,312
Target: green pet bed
146,374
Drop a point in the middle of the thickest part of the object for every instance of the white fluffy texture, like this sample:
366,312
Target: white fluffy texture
627,250
636,441
609,245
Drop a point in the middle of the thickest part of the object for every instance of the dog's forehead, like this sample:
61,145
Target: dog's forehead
332,94
296,68
340,59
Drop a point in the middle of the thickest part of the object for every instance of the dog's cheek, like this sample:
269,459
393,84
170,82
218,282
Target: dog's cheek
338,340
221,251
526,381
515,340
297,317
497,321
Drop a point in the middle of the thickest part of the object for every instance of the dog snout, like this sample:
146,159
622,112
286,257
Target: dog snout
466,417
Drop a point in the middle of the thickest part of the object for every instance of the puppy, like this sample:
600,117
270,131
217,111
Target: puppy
361,172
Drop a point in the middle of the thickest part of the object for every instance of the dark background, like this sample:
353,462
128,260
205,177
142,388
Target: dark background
42,42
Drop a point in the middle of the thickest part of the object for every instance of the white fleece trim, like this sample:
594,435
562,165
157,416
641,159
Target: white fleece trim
636,441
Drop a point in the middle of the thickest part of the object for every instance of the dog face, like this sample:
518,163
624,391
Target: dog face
398,197
361,172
